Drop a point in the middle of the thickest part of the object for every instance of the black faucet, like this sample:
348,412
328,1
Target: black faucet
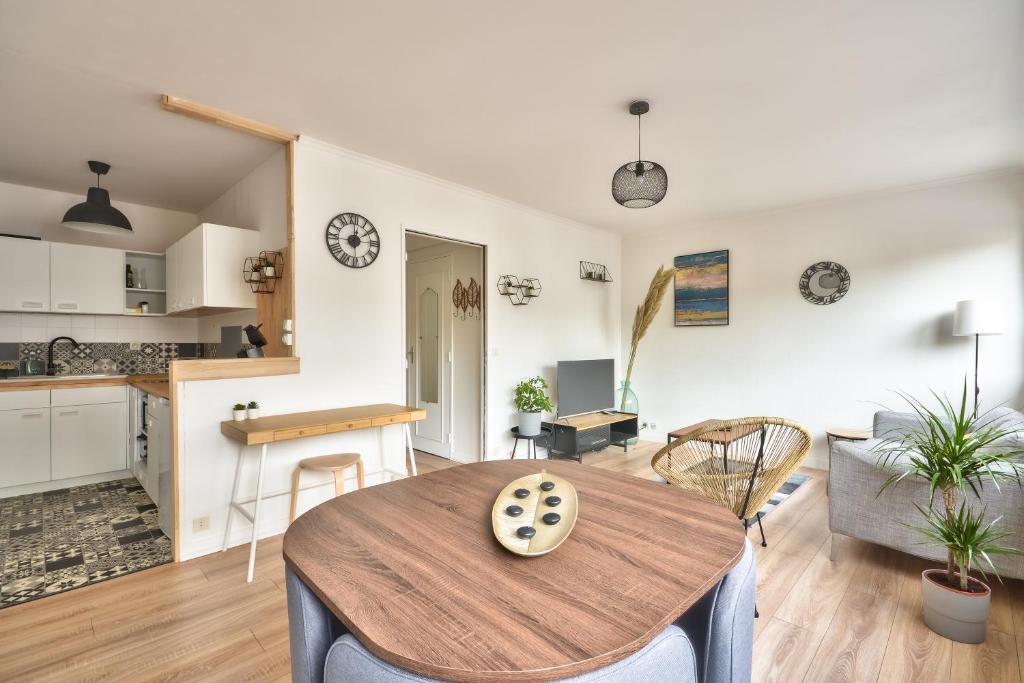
50,370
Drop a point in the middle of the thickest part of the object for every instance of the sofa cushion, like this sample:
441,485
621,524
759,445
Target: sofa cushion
890,424
669,658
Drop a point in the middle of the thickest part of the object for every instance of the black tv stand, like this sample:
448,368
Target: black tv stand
571,437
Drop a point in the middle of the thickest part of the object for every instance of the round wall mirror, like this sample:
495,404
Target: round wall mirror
825,282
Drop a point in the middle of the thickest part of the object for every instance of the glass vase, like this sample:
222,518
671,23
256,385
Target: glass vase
626,402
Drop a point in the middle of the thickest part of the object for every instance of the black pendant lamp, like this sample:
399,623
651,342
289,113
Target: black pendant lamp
96,214
639,184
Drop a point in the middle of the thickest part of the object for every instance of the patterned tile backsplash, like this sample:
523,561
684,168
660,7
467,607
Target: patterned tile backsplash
147,358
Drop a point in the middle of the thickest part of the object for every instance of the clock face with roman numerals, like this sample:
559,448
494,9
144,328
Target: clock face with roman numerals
353,240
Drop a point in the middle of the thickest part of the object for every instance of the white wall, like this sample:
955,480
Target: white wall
37,212
350,324
42,327
467,349
256,202
911,255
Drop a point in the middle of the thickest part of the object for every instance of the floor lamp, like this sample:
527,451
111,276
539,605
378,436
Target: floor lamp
973,318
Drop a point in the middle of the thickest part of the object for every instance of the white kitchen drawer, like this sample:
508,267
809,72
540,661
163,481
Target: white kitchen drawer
24,446
29,398
88,439
88,396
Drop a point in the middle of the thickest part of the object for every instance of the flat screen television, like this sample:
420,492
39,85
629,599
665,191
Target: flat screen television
585,386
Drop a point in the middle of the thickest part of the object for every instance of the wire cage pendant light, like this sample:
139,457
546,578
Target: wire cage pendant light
639,184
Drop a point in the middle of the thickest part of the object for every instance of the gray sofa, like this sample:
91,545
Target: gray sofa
711,643
856,475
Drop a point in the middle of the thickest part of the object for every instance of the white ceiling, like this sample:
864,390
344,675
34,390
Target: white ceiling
754,104
55,118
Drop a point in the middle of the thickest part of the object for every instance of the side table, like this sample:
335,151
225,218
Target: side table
531,441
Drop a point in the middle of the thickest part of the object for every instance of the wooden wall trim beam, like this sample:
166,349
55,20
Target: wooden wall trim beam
223,118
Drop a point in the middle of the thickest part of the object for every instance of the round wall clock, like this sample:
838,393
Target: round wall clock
353,240
824,283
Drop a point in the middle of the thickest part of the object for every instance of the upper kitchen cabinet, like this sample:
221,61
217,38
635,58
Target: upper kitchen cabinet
204,270
86,279
24,275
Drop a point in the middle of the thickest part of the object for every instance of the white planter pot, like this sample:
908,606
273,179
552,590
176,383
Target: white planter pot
239,415
252,413
268,271
953,613
529,423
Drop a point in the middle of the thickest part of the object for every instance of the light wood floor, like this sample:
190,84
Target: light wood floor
858,619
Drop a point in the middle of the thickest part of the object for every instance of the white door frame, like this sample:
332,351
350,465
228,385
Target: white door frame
406,229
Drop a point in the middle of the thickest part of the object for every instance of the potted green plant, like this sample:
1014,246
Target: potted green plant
252,411
239,411
957,453
531,398
256,271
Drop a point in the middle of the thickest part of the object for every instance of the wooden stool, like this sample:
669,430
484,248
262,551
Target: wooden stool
337,464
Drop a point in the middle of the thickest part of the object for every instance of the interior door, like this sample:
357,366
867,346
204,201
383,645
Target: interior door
428,350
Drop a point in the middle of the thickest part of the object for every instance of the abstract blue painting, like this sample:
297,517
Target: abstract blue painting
702,289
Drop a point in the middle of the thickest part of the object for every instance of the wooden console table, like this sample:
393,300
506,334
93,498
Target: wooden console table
412,569
264,431
574,436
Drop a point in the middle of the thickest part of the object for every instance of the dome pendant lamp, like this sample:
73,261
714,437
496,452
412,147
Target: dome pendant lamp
96,214
639,184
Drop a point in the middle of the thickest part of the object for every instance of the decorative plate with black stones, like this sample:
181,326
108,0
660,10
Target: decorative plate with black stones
534,514
352,240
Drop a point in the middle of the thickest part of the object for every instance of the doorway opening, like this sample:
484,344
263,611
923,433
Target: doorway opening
444,345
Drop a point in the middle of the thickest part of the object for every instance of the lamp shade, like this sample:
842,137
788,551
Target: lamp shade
97,215
639,184
975,317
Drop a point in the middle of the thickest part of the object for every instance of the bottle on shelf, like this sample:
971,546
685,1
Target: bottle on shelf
129,277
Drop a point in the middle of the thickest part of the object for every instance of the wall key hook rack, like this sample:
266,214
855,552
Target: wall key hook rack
519,292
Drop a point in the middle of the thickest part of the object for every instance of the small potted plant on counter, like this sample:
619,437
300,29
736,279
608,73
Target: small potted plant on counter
239,412
957,452
530,399
253,410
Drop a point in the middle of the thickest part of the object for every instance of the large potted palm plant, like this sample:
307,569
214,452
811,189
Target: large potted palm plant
957,452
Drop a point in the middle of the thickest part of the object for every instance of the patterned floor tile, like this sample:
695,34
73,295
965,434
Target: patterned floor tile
56,541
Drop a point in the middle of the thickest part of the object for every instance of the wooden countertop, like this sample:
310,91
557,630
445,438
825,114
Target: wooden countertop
298,425
413,570
592,420
153,384
158,385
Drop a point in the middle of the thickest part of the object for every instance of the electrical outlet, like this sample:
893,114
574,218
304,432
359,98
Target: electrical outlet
653,425
201,524
134,346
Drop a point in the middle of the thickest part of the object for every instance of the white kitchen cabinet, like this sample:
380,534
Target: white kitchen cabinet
86,279
191,269
204,269
88,439
172,264
25,446
25,275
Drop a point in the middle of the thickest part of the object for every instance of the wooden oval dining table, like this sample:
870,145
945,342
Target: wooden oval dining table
412,569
